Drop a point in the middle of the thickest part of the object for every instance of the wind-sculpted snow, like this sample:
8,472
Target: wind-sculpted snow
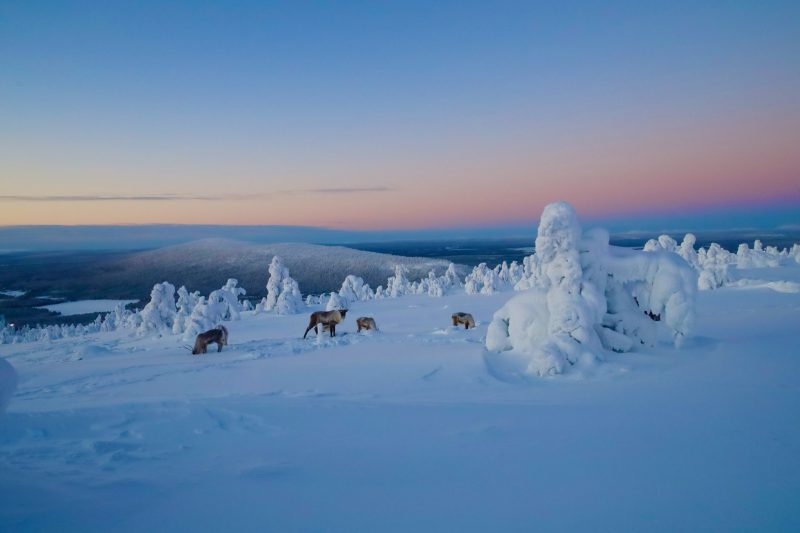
585,297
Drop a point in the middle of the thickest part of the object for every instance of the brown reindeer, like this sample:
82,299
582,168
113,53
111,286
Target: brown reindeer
326,319
463,318
218,335
366,323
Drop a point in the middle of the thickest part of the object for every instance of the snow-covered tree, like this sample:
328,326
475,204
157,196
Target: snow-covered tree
355,290
206,314
159,313
186,302
336,302
435,286
760,257
452,281
398,285
290,301
586,296
279,282
473,284
229,295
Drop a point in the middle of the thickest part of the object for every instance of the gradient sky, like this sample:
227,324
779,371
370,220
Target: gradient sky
380,115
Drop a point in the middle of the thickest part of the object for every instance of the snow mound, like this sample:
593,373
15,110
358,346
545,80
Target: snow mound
585,296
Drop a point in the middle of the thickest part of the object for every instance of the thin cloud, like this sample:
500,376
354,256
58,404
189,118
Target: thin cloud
337,190
101,198
181,197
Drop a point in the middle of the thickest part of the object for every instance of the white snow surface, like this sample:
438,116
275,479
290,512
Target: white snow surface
414,427
82,307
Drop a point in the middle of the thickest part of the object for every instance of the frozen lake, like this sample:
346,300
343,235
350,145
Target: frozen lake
82,307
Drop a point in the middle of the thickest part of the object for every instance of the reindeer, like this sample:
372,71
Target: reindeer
366,323
218,335
326,319
463,318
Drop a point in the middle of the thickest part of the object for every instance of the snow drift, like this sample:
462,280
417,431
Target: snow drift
586,296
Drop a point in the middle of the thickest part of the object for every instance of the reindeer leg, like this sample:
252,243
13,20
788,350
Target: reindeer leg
311,324
219,347
333,330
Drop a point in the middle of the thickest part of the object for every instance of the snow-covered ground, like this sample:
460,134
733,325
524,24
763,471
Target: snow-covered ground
414,427
82,307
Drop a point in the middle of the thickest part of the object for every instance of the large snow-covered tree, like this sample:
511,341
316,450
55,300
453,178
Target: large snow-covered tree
585,296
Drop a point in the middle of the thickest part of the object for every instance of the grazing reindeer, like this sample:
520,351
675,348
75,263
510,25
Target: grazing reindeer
463,318
218,335
326,319
366,322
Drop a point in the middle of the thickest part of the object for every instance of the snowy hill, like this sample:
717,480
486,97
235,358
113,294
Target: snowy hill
206,264
203,265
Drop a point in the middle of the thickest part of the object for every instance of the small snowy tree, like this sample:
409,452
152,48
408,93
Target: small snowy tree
452,281
398,284
335,302
435,286
277,273
290,300
229,295
278,282
355,290
186,302
473,284
207,314
159,313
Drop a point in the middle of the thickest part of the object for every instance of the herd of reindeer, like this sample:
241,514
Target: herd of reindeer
325,319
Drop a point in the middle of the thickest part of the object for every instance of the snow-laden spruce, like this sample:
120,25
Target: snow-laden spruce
283,293
398,285
186,303
160,312
585,296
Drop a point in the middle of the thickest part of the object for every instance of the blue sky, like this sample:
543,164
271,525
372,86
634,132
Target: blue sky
396,115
